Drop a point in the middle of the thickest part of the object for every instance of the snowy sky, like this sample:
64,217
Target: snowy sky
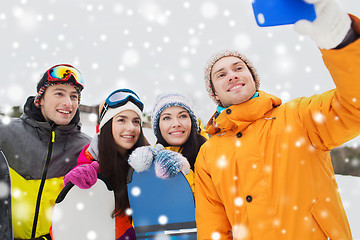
150,46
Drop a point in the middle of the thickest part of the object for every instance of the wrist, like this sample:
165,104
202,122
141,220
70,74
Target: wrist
350,37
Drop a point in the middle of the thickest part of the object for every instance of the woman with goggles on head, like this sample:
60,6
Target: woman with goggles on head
108,153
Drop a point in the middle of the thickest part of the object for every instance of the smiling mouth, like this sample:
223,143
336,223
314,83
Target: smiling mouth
64,111
236,87
127,136
177,133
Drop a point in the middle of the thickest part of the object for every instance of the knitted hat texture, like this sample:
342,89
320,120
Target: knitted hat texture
170,100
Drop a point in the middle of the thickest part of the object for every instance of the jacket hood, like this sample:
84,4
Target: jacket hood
242,115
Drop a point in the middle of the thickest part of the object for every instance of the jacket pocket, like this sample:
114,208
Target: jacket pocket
331,219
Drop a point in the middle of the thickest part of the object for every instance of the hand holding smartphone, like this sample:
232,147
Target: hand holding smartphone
280,12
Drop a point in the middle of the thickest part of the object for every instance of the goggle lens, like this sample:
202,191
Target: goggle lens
121,97
63,73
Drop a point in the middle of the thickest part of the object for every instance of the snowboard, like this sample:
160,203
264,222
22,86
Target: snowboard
84,213
6,231
161,208
280,12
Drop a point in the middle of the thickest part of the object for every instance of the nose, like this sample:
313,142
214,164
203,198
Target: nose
67,101
130,126
232,76
175,123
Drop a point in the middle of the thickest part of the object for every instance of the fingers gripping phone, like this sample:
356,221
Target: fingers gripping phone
281,12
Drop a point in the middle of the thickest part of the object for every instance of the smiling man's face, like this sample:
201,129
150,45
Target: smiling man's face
59,103
232,80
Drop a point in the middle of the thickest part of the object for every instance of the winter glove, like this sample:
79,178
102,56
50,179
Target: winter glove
169,163
83,176
329,28
142,157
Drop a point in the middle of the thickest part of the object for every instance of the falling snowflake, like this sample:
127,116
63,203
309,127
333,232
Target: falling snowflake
91,235
222,162
215,236
209,10
4,190
240,232
239,201
80,206
318,117
6,120
135,191
163,220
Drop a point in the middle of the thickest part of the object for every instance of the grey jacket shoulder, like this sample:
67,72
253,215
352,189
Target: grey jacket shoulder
25,143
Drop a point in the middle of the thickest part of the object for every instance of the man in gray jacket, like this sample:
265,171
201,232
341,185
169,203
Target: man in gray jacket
41,147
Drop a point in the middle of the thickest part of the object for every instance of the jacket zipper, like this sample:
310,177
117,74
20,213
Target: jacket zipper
43,179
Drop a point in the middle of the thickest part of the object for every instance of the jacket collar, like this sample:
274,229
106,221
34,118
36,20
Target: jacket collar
238,117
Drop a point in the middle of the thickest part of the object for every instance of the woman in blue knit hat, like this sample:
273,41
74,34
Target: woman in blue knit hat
177,128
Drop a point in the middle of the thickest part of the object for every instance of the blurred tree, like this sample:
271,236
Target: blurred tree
346,160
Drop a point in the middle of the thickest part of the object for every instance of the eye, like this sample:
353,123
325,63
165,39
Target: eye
239,68
75,97
137,122
59,94
166,118
121,120
221,75
183,116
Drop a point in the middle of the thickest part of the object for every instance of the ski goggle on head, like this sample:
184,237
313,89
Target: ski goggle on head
62,73
119,98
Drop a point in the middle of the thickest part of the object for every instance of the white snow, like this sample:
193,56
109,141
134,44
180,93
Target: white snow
349,188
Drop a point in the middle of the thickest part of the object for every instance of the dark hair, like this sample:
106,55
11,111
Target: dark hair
190,148
115,166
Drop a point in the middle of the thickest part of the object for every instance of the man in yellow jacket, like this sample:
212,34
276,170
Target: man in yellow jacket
266,171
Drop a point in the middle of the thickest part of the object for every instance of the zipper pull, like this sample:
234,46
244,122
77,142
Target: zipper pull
272,118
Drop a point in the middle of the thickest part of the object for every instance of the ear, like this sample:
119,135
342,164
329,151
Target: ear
41,102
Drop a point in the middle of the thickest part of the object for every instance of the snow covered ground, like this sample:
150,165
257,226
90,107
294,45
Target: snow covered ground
349,188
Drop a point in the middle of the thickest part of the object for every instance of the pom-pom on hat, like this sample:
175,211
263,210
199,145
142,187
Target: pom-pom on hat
216,57
59,74
170,100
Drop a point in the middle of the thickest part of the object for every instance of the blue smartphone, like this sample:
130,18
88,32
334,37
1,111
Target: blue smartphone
281,12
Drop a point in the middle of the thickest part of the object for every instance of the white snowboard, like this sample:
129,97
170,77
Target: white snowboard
84,213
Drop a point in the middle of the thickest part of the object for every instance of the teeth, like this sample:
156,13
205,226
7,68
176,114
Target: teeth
127,136
236,87
63,111
176,133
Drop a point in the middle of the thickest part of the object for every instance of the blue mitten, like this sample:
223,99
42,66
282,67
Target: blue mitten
329,28
142,157
169,163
